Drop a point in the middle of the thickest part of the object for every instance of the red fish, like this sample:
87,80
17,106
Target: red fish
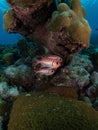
54,57
50,63
45,71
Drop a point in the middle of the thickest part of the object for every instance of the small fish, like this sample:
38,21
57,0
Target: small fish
45,71
50,63
54,57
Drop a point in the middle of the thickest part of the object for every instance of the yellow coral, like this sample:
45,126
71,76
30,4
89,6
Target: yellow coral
77,8
63,7
72,21
8,20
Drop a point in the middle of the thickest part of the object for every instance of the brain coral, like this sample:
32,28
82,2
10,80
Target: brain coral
48,112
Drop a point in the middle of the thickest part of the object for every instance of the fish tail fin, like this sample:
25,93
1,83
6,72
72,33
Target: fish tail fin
35,62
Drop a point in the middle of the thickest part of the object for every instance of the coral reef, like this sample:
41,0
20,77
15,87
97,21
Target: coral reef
54,34
9,54
66,92
4,112
8,58
60,31
8,92
2,76
20,76
58,113
22,45
9,20
29,14
33,20
4,109
82,61
76,77
94,78
72,22
63,91
94,57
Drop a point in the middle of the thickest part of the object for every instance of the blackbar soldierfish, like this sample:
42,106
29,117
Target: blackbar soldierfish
50,63
54,57
45,71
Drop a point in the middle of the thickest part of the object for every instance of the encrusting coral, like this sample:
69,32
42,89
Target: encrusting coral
45,112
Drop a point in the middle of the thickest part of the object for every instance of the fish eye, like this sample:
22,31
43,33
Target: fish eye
52,71
60,59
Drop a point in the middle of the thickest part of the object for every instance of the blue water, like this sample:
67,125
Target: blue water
6,38
91,7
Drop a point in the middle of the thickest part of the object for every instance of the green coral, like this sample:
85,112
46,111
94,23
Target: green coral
48,112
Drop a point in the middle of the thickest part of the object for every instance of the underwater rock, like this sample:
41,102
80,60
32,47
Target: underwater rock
95,105
9,54
8,92
20,76
94,58
76,77
83,61
27,61
89,51
58,113
23,47
94,78
4,108
8,58
1,123
86,100
4,113
3,89
29,14
2,76
65,92
91,93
